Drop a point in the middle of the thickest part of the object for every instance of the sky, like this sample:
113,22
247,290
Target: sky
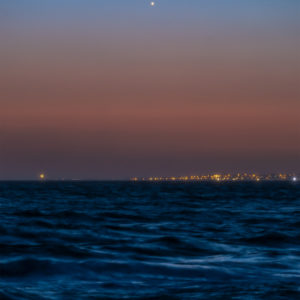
111,89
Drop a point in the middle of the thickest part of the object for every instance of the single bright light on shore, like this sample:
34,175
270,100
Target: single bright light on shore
42,176
294,178
152,3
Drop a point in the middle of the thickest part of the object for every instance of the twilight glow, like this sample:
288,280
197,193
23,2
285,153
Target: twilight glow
115,89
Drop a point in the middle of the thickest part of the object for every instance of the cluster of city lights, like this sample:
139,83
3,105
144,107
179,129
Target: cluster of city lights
223,177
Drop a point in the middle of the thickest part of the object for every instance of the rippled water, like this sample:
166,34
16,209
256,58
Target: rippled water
101,240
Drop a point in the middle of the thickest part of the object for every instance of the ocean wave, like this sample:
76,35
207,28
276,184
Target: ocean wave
101,240
273,239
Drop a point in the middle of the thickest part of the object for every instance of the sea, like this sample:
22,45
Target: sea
141,240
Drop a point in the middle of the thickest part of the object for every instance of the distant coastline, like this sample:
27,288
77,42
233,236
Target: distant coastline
223,177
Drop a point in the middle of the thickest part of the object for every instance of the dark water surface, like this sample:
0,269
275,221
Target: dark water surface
101,240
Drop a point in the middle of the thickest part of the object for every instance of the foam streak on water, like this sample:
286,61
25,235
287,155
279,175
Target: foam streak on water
114,240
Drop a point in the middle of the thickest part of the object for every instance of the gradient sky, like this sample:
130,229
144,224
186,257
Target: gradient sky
109,89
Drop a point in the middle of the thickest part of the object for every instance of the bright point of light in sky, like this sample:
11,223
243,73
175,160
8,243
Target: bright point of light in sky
152,3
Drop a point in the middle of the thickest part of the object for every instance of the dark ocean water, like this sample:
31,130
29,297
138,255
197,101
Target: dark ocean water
101,240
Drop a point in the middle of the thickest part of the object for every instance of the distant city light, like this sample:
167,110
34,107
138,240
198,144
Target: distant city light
42,176
223,177
152,3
